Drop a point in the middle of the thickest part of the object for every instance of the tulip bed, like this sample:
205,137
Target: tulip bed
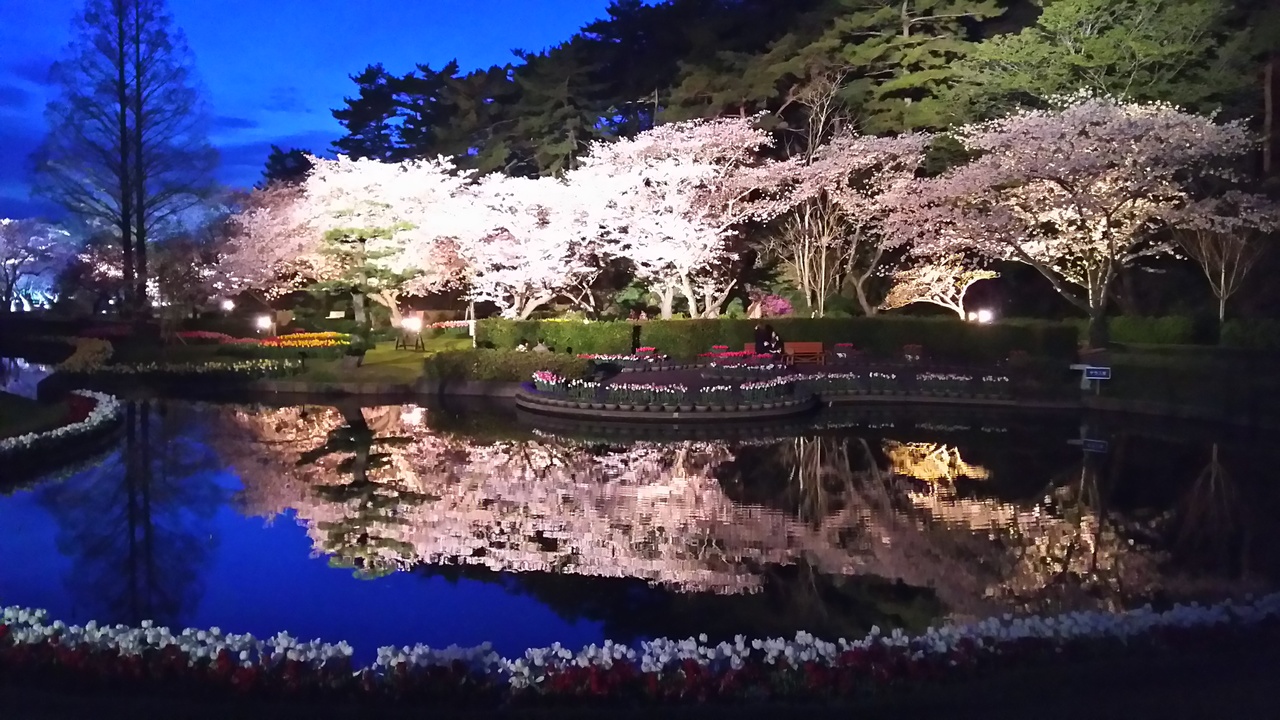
32,648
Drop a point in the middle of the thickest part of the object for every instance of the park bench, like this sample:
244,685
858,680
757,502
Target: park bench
798,352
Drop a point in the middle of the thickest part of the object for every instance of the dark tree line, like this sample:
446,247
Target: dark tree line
897,64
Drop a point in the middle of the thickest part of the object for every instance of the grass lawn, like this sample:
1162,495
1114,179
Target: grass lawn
19,415
382,364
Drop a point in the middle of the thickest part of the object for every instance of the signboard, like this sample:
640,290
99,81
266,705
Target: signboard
1094,446
1092,372
1098,447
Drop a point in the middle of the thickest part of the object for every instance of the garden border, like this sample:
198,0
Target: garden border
60,446
585,411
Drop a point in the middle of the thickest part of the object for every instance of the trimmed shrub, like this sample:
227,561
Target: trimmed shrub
1260,334
599,338
945,338
500,365
1172,330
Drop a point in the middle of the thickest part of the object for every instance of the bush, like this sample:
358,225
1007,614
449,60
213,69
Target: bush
1172,330
1262,334
500,365
600,338
946,338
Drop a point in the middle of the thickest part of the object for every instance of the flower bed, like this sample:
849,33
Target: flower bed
312,345
639,362
89,413
664,397
89,355
32,646
235,370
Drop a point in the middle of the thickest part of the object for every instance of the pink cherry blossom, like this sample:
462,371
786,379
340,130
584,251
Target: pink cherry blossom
1073,191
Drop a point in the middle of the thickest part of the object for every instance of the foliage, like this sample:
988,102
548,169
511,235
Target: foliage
1257,334
1192,53
603,338
904,55
687,339
500,365
1153,331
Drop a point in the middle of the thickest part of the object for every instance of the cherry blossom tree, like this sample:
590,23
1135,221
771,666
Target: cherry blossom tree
272,246
1073,191
1223,235
29,249
942,281
530,241
835,232
362,226
672,200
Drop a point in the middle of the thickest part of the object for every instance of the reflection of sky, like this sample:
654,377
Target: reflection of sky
262,579
19,377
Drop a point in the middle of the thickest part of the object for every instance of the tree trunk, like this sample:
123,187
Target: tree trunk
389,299
666,300
140,120
1126,295
358,309
860,292
124,176
1099,332
690,296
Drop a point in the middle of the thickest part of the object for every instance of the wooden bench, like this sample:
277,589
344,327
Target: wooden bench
798,352
804,352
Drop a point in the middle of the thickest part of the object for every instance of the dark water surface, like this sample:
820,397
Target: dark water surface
394,525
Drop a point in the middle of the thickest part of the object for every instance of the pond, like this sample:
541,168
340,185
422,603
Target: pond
399,524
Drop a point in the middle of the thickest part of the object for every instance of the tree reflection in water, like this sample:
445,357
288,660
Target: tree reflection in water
826,531
138,527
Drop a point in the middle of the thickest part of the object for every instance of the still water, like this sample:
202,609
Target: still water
393,525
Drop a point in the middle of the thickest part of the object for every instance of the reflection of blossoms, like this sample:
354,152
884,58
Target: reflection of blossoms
661,512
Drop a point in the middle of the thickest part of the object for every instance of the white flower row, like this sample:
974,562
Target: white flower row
656,656
106,410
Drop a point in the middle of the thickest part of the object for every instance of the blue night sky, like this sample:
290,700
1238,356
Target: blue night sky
273,69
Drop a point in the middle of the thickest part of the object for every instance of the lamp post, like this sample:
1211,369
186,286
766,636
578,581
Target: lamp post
410,330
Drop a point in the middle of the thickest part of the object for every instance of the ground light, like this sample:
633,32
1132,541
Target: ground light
264,323
228,305
412,324
982,316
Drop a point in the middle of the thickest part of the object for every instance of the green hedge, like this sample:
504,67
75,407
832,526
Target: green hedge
499,365
945,338
1263,334
1172,330
594,337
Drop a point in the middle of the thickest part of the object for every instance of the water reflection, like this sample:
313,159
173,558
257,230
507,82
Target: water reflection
19,377
863,521
137,526
379,493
